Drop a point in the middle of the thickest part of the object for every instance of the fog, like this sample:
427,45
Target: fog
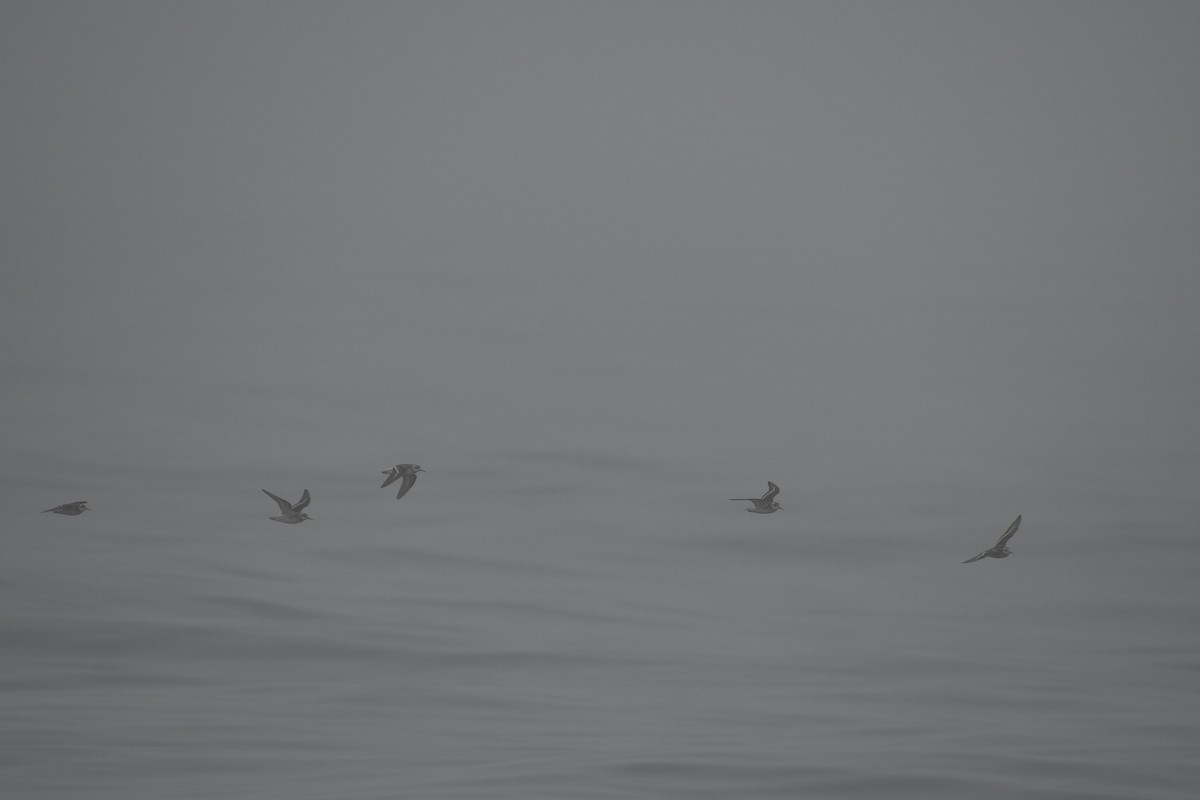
925,265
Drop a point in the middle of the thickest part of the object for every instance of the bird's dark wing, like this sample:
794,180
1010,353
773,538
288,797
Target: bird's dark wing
284,506
393,475
976,558
771,492
409,479
1008,534
305,499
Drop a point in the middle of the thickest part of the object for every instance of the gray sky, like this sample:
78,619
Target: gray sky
694,232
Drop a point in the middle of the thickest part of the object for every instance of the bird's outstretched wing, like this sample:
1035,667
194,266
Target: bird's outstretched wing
284,506
771,492
409,479
393,475
305,499
976,558
1008,534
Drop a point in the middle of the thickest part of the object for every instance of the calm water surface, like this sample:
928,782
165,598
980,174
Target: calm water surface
559,625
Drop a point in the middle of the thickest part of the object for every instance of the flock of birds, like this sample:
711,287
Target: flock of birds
294,513
767,505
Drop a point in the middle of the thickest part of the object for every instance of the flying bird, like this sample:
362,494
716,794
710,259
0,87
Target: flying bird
1000,550
291,513
765,504
70,509
406,471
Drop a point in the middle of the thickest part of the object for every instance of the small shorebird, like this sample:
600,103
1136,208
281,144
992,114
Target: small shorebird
70,509
291,513
406,471
1000,550
765,504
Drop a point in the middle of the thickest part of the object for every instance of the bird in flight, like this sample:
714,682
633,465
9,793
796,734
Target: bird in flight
765,504
70,509
406,471
291,513
1000,550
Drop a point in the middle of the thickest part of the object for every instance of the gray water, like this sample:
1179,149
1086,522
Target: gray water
564,624
575,622
597,269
